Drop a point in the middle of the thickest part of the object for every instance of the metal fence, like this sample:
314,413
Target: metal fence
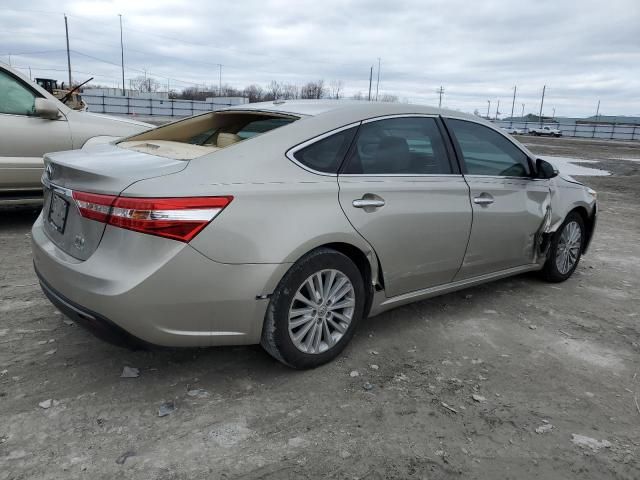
148,106
610,131
113,104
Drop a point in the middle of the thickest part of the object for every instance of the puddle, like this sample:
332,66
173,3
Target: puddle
627,159
567,166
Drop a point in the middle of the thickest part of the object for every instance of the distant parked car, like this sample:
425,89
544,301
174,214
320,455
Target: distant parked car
513,130
546,131
287,223
34,122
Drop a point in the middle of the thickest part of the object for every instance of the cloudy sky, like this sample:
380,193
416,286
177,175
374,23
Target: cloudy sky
583,50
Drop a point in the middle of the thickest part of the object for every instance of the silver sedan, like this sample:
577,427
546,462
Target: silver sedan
287,223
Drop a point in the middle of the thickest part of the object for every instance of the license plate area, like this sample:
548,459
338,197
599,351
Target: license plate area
58,211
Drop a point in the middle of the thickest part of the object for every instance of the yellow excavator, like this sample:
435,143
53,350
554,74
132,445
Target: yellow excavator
71,98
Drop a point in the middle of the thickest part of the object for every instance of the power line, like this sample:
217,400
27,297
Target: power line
24,54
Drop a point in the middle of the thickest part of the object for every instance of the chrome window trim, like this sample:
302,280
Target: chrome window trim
401,115
500,177
495,129
290,154
61,190
406,175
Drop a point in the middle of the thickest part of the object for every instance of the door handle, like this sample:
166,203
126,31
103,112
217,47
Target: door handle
483,199
368,203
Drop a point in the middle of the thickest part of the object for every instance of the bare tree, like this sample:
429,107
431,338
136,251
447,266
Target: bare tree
388,98
290,91
194,93
335,89
357,96
145,84
229,91
314,90
254,93
274,91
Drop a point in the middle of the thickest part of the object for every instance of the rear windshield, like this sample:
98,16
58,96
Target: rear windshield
205,133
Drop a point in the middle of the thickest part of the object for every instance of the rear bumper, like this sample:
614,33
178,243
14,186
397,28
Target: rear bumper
137,287
101,327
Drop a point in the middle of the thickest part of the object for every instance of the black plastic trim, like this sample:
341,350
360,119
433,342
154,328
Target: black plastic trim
101,327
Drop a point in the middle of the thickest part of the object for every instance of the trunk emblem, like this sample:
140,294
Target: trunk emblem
49,171
78,242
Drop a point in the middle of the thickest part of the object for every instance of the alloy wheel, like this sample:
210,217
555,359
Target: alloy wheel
321,311
569,246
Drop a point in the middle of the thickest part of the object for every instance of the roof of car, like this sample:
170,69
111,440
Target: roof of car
366,108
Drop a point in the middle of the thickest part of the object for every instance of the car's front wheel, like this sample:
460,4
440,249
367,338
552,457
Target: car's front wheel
565,250
314,311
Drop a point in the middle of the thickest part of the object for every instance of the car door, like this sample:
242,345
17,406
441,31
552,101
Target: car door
24,137
401,191
509,206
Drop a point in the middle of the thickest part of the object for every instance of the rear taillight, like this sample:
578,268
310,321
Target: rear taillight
180,218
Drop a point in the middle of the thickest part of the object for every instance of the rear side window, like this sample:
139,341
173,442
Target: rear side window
399,146
327,154
487,152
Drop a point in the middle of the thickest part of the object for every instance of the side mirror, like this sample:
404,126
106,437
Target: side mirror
45,108
545,170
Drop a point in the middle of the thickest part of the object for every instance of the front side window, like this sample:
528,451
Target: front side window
15,98
399,146
487,152
327,154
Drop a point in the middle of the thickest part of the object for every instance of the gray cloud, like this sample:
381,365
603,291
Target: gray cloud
583,50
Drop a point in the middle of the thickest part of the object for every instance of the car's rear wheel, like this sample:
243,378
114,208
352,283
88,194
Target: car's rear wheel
566,249
314,311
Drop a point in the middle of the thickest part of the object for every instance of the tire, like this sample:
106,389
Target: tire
323,340
551,272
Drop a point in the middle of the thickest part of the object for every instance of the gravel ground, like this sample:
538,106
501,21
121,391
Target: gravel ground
514,379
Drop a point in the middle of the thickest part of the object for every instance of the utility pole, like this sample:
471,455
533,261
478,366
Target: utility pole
488,108
378,81
541,104
122,55
598,110
513,104
30,74
370,79
553,115
66,29
220,80
440,91
498,110
522,115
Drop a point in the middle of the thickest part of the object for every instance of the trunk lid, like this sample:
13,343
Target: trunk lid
103,169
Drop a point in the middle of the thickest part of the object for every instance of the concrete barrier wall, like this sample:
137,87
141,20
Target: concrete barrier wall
148,106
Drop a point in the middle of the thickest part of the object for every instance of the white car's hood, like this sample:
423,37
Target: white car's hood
118,119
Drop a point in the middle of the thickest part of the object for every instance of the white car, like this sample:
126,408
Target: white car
33,122
546,131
